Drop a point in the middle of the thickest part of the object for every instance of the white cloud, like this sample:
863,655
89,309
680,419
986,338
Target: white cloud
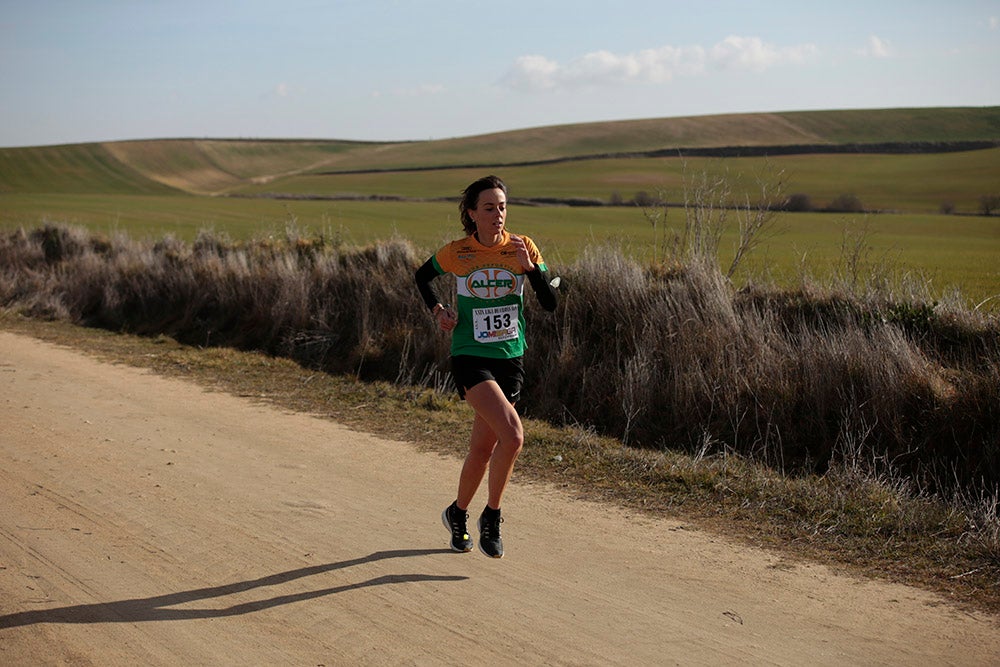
651,66
750,53
994,22
876,48
281,90
533,73
647,66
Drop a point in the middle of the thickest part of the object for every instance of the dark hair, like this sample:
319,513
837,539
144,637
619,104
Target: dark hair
470,199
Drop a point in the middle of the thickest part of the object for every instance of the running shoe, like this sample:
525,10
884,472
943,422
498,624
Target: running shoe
455,520
489,533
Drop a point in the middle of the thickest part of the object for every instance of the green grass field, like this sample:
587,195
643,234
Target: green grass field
917,183
153,188
950,251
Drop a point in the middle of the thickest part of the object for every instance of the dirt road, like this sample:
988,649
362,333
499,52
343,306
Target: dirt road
144,520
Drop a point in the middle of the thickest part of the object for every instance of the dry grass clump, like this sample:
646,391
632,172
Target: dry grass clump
309,299
797,379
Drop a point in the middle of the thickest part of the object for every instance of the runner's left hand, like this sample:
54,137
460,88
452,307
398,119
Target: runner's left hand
522,253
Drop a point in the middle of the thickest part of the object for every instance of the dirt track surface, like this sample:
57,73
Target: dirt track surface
144,520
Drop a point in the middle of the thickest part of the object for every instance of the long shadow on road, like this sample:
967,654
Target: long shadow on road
157,608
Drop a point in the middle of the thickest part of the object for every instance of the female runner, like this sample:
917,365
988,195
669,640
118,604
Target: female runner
487,345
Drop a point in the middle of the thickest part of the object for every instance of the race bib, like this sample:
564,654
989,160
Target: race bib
496,324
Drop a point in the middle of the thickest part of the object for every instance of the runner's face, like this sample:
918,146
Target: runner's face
490,213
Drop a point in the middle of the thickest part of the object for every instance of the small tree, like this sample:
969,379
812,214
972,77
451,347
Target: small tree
643,199
989,204
846,204
799,203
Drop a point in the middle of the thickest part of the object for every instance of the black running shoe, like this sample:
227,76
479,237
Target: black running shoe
454,520
489,534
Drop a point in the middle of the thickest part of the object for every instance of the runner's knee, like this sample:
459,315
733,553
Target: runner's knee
513,439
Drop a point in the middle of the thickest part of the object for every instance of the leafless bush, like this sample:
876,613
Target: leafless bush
710,208
288,296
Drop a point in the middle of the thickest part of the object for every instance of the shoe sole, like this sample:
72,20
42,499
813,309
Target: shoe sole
447,525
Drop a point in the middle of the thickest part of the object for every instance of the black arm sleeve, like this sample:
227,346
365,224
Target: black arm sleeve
424,276
543,290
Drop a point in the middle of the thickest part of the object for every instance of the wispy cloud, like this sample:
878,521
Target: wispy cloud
993,22
651,66
876,47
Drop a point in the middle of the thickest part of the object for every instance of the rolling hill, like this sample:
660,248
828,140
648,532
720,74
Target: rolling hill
220,166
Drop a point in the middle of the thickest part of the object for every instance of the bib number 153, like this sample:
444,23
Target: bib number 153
495,324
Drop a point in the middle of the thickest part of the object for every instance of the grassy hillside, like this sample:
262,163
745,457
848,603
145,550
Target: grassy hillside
160,166
920,182
638,136
76,168
215,166
901,125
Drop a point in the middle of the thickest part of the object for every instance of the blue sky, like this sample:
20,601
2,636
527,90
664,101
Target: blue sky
78,70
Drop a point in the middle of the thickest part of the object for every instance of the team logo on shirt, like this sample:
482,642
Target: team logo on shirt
491,283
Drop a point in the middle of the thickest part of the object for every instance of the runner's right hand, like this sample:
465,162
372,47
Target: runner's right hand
447,319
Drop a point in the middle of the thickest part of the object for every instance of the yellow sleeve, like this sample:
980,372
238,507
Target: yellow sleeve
445,259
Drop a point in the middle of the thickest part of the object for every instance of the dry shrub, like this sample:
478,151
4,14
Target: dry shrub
801,380
334,309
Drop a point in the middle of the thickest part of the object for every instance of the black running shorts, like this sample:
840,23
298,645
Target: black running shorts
469,371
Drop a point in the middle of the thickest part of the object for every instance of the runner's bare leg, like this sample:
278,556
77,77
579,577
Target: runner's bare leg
481,446
497,430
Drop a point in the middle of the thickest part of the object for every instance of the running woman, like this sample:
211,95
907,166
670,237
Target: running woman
491,266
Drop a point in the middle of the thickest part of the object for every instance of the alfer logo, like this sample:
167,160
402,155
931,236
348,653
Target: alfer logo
490,283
